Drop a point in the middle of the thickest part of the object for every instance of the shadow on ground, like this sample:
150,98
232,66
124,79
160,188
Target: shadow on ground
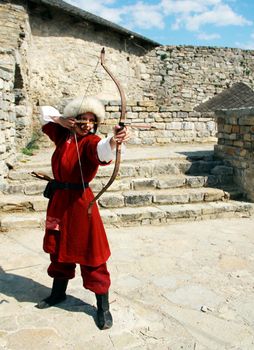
25,289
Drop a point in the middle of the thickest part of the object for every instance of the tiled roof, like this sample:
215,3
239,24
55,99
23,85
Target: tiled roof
238,95
77,12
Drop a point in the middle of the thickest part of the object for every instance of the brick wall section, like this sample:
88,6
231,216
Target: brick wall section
151,124
236,146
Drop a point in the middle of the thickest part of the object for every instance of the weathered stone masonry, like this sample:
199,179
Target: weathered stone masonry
7,113
150,123
184,76
236,146
15,104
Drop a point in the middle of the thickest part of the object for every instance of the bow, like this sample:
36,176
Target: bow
121,124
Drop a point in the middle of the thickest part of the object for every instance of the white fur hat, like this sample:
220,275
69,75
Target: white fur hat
81,105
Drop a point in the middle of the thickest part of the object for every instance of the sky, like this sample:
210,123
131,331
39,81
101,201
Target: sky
219,23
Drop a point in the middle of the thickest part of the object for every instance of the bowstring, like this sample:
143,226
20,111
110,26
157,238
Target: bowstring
79,161
75,135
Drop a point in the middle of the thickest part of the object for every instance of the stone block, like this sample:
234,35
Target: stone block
216,195
196,197
247,137
235,129
128,170
188,126
112,108
130,214
171,182
138,214
141,184
181,211
167,198
40,205
120,185
148,103
227,128
174,126
108,217
34,188
246,120
196,181
137,199
239,144
96,186
13,221
111,200
222,170
137,109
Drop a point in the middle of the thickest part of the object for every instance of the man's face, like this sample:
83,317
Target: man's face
85,124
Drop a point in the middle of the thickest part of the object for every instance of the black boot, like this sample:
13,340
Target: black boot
104,316
57,294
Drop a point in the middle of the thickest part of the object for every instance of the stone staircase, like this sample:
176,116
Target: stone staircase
155,185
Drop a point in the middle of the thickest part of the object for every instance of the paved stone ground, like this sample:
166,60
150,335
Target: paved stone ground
183,286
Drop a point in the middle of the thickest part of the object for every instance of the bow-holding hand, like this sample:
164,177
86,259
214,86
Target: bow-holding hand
121,134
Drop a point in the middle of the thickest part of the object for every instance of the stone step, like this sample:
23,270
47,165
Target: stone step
186,169
151,188
191,152
29,185
165,196
21,220
143,168
27,188
146,215
25,174
161,214
21,203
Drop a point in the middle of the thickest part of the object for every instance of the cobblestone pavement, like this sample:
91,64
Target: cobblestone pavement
181,286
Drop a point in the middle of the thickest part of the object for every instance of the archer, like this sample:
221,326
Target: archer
74,234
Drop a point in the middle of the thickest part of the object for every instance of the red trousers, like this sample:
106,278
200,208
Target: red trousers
96,279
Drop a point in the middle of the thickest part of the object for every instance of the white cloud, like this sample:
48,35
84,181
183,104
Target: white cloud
189,14
193,14
113,15
139,15
186,6
207,37
220,15
145,16
100,8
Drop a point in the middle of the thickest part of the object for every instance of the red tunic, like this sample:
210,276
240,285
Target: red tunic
69,234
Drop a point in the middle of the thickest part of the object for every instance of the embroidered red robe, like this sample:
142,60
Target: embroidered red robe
69,234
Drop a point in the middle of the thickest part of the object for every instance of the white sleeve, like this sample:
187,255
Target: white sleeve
47,112
104,151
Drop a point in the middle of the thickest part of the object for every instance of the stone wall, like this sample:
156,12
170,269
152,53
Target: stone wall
184,76
65,60
236,146
150,123
15,37
7,113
